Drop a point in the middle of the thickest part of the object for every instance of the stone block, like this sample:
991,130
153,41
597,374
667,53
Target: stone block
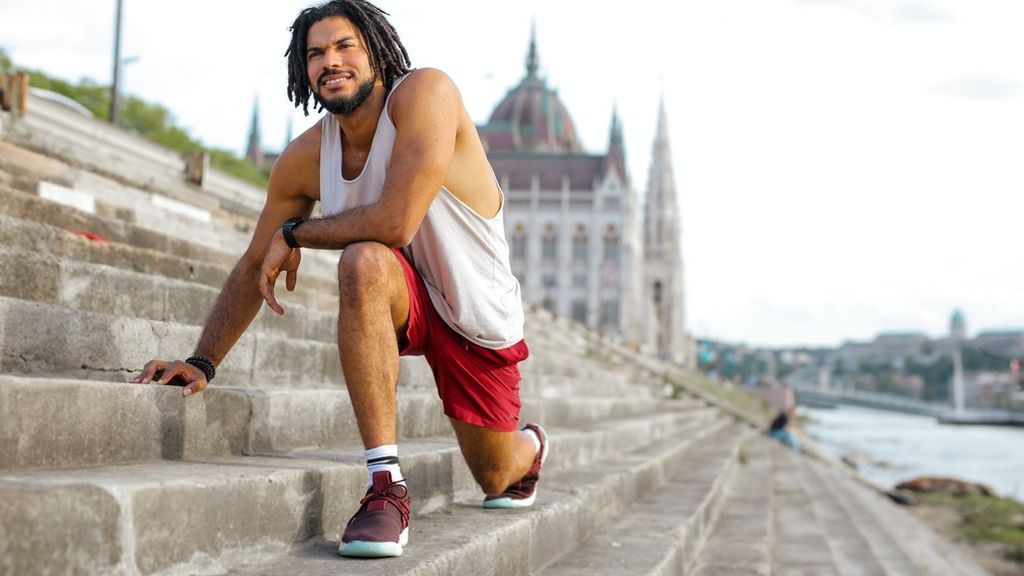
71,529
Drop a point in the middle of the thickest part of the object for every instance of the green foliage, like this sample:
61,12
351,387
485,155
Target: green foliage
988,520
239,167
149,120
6,64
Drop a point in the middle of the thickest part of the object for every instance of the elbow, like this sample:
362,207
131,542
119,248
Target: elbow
399,232
402,235
392,235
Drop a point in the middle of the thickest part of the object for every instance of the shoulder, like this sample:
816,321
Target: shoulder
424,86
298,162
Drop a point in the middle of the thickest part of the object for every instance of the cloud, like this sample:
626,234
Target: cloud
979,88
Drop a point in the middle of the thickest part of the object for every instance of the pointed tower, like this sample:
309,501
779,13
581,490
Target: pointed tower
616,158
288,134
254,150
663,261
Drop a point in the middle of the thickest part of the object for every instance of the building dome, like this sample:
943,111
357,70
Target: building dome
531,117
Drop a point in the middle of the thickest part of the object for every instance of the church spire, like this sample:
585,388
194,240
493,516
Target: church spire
661,227
531,56
616,158
663,259
254,150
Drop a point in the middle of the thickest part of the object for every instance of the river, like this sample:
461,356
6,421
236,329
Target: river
890,447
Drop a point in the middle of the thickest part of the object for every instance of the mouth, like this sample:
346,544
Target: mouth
334,79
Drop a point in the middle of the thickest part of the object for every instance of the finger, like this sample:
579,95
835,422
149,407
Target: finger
267,281
290,279
194,387
170,372
148,371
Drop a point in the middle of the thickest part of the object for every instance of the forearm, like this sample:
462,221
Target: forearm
237,305
362,224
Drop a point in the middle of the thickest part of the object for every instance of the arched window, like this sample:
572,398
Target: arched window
611,244
549,244
579,245
657,293
519,243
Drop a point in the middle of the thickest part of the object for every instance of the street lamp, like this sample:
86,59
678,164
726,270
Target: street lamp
115,87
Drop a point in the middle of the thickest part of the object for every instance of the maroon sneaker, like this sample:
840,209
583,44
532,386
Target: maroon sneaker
522,493
380,528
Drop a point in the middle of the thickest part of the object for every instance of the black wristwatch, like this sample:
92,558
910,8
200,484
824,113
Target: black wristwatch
287,230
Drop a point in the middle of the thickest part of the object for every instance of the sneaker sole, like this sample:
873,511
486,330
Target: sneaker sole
510,502
499,503
363,549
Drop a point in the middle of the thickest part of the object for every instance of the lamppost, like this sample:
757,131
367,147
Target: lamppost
115,87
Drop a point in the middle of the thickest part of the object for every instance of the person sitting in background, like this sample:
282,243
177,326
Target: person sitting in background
782,428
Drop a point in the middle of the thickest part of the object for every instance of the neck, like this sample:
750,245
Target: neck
358,126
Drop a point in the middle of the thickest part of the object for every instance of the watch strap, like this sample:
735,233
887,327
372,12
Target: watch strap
287,230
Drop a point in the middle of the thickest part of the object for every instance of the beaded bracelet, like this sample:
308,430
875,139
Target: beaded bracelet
203,364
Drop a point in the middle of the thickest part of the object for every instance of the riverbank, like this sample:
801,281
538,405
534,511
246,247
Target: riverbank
888,448
990,528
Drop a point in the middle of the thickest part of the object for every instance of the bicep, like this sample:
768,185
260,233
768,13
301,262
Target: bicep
426,121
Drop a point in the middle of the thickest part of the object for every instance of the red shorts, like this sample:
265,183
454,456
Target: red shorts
476,385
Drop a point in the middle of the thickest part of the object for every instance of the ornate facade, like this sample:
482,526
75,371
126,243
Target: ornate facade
574,223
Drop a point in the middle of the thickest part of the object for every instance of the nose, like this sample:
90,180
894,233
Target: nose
332,60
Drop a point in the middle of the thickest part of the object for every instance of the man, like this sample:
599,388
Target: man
782,428
408,193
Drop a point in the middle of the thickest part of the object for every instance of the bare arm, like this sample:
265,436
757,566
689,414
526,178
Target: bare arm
426,110
239,299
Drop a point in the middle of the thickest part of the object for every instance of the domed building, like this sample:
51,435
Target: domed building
573,221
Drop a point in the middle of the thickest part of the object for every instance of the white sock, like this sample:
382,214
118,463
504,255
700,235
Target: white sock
536,439
383,458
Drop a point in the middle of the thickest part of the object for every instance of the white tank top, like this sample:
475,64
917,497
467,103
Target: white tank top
461,256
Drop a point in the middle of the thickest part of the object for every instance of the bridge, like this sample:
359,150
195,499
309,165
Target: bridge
943,411
817,396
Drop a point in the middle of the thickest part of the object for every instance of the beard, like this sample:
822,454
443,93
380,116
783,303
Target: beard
343,105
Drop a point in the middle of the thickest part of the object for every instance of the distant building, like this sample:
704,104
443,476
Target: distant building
254,151
575,230
890,348
254,147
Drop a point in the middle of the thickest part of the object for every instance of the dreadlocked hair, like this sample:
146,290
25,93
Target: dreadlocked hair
388,56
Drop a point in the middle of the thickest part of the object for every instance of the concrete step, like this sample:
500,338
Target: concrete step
24,236
857,553
660,533
740,541
58,341
465,540
900,542
44,339
218,247
800,546
94,287
208,515
87,286
94,147
48,423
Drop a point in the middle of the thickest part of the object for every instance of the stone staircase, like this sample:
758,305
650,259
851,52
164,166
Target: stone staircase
109,258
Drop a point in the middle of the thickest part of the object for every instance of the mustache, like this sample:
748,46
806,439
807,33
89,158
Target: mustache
325,73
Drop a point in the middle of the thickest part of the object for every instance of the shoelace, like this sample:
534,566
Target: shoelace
398,500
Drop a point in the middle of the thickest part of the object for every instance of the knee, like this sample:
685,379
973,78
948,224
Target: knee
363,270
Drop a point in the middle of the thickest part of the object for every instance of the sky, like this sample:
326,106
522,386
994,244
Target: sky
844,167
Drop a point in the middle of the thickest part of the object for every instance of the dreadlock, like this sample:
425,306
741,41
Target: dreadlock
387,54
